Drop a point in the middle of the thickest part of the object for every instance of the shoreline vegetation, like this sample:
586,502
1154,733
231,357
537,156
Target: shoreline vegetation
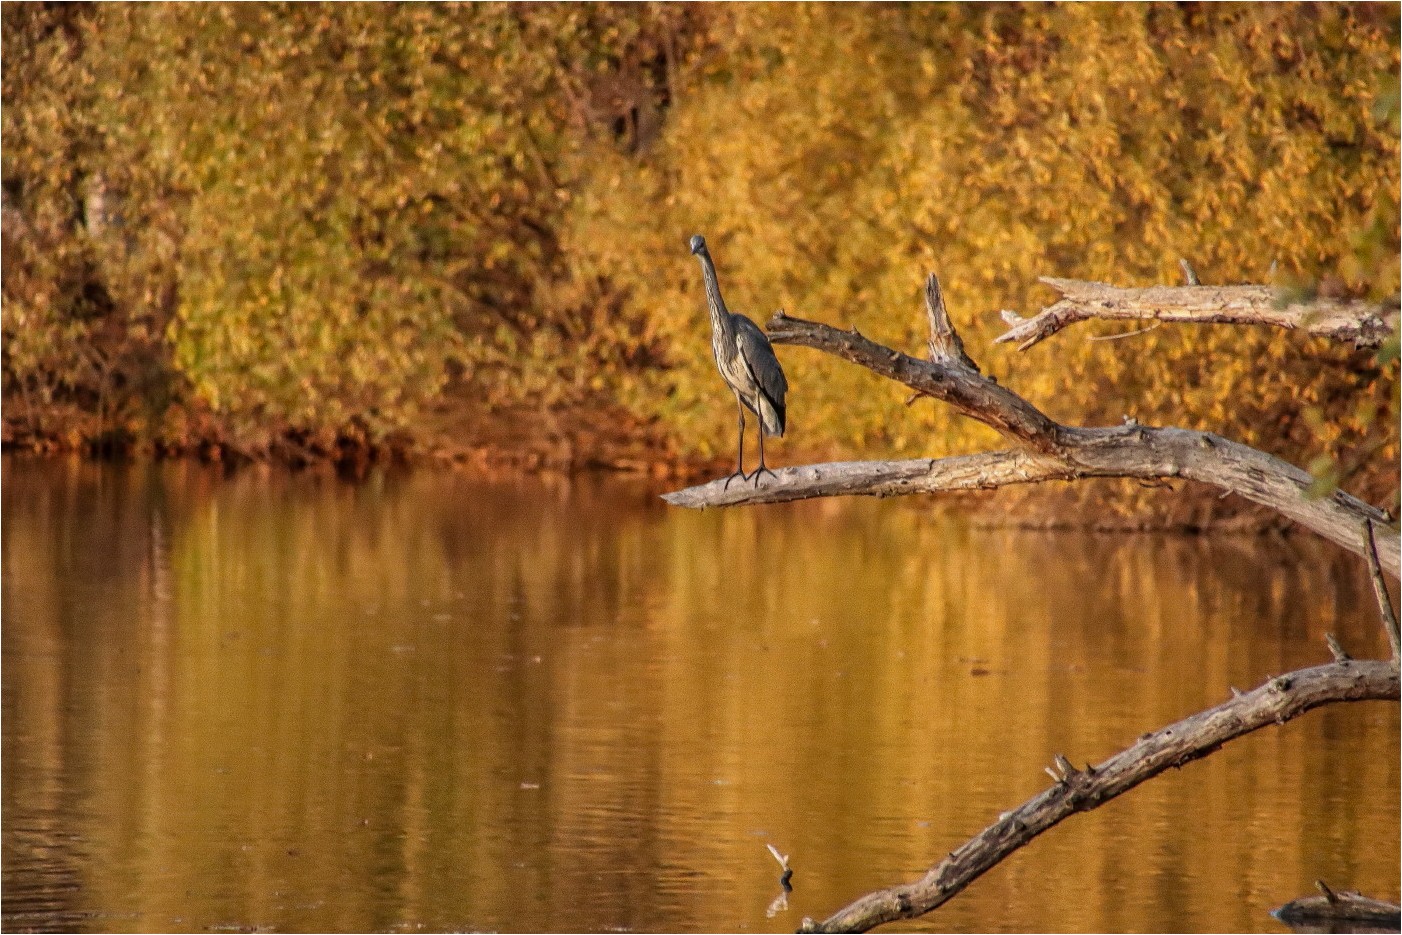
330,235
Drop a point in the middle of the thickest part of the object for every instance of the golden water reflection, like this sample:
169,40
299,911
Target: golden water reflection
433,702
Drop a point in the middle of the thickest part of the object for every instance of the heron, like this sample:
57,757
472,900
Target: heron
747,363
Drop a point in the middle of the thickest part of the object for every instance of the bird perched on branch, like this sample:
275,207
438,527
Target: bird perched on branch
746,361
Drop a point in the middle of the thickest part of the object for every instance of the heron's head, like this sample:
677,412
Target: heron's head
698,244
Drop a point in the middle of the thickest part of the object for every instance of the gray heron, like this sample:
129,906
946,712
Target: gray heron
747,363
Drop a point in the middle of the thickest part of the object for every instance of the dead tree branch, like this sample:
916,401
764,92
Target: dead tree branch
1277,701
1339,911
1047,450
984,471
1361,323
1385,609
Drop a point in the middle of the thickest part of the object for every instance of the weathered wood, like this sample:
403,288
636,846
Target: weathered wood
1340,911
963,388
1279,700
1361,323
1057,452
984,471
946,347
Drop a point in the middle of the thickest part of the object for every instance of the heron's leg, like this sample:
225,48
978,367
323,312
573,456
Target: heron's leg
762,469
740,458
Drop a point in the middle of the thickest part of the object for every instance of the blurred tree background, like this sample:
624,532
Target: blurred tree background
336,226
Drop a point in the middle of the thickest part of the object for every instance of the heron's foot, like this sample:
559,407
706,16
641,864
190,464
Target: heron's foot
740,474
761,470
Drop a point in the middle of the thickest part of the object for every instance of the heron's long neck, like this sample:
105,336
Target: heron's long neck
720,315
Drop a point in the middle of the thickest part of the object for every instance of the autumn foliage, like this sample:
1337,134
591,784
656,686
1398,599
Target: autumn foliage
247,222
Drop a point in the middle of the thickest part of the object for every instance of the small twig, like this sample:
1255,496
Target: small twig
1380,591
1190,277
1128,334
1334,647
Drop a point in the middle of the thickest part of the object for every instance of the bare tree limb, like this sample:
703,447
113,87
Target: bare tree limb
1361,323
1385,609
1052,451
984,471
963,388
1277,701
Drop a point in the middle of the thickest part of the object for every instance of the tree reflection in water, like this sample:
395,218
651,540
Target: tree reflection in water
428,700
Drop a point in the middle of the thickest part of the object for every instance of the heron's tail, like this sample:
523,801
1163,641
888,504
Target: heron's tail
772,416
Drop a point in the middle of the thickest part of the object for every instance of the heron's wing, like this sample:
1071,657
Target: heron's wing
758,356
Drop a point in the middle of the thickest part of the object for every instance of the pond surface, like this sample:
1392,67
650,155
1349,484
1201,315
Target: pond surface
428,701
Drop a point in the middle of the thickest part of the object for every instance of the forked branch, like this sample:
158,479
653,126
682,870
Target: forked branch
1277,701
1046,449
1361,323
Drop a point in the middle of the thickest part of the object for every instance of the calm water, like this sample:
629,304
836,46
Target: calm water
435,702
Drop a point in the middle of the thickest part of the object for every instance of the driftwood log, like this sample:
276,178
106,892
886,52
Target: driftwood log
1340,912
1046,449
1361,323
1075,790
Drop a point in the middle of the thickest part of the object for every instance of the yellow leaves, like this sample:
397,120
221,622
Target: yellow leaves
1082,165
314,187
